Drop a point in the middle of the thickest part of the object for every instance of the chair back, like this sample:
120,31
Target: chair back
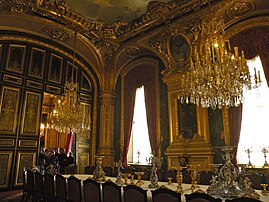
74,189
61,188
243,199
201,197
49,187
92,191
39,185
111,192
164,194
134,193
205,177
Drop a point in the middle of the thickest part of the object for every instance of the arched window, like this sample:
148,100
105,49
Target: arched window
254,128
139,147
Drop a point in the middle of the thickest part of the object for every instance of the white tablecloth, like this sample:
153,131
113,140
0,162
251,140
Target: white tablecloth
186,187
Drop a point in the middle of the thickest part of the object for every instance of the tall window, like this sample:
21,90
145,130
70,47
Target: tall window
254,128
139,148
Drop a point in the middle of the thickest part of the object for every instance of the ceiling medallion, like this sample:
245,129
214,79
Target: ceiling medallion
56,33
239,9
132,51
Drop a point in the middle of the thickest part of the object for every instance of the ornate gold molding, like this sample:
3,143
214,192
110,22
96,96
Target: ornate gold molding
240,8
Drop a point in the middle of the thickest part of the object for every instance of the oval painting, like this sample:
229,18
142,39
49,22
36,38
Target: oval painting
179,48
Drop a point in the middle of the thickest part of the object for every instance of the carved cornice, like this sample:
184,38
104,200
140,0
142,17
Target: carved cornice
58,11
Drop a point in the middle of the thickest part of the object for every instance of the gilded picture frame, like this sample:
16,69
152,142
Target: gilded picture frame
25,160
9,105
37,63
31,113
179,48
16,58
55,69
5,168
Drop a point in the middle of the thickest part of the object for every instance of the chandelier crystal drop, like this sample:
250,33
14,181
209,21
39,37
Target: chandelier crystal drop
217,74
68,113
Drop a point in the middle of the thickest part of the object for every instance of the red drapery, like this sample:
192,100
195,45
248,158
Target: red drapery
142,75
69,141
254,42
235,119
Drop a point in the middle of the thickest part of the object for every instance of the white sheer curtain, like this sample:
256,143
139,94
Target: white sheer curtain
254,128
139,141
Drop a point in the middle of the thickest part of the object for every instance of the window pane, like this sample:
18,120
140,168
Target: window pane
254,125
139,142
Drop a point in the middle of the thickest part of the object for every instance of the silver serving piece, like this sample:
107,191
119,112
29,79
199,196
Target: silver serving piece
156,162
226,182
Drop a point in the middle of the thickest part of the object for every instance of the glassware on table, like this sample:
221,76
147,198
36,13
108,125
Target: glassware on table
264,190
169,181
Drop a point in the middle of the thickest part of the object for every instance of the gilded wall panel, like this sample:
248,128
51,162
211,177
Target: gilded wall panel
5,168
1,56
24,160
87,113
12,79
31,113
9,109
15,58
37,63
83,161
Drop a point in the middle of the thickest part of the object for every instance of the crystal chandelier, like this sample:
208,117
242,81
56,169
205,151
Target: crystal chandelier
217,74
68,113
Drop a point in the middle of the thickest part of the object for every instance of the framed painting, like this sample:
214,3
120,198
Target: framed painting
15,58
37,63
179,48
55,69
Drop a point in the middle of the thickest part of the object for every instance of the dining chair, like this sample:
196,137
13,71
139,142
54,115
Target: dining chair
91,190
111,192
49,187
74,189
201,197
164,194
133,193
243,199
30,184
24,185
60,188
39,186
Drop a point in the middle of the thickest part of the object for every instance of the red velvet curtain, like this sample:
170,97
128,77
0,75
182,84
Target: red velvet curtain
235,119
150,100
254,42
69,140
143,75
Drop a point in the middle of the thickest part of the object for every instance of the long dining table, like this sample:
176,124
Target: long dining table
172,186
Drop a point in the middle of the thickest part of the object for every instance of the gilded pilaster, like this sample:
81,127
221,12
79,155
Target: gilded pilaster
106,148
